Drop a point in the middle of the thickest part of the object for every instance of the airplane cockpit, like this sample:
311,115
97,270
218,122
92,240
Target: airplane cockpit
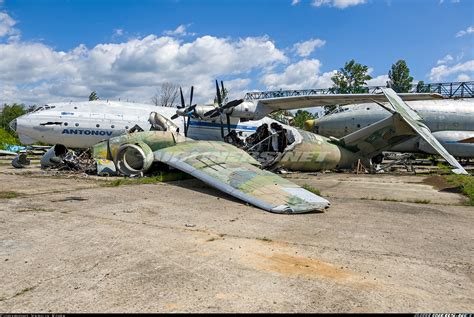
45,107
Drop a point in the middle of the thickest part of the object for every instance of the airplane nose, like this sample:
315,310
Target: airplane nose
13,125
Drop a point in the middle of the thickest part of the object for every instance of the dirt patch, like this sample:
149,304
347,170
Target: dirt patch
289,265
441,184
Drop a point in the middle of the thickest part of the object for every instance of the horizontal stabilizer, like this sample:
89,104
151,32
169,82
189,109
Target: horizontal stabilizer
236,173
416,123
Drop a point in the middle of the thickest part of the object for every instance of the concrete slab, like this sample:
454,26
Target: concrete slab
184,247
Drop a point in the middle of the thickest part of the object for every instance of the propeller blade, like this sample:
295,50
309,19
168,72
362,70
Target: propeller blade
219,98
187,125
228,122
210,112
182,98
232,103
215,114
222,91
174,116
222,129
191,98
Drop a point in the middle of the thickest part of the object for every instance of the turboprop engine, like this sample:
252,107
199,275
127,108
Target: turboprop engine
132,153
53,156
133,159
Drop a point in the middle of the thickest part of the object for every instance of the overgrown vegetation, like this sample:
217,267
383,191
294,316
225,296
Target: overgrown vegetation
465,183
264,239
312,189
7,138
8,195
161,177
7,114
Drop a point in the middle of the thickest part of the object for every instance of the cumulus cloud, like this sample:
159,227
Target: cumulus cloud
448,58
304,49
179,31
300,75
34,72
340,4
443,71
467,31
378,81
6,27
295,2
463,77
118,32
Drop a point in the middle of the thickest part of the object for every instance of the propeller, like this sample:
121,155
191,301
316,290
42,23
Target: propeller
186,111
221,107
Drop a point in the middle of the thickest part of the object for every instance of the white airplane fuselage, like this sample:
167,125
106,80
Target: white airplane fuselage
451,122
84,124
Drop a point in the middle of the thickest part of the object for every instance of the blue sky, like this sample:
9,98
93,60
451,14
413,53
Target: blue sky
62,50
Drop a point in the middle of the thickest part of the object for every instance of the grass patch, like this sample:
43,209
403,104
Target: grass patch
465,183
265,239
8,195
312,189
6,138
390,199
420,201
159,178
445,168
36,209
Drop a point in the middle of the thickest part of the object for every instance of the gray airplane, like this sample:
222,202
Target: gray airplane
451,122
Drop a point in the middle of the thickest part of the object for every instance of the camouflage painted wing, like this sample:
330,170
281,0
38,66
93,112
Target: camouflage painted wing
235,172
416,123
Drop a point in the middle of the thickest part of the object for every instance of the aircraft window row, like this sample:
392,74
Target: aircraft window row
97,125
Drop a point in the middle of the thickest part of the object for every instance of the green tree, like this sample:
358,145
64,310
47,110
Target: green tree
10,112
7,114
283,116
350,79
93,96
400,79
301,117
422,87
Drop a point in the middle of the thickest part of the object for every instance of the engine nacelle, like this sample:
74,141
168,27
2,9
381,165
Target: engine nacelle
53,156
457,143
134,159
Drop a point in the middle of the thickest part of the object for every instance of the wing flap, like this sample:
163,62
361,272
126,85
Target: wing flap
236,173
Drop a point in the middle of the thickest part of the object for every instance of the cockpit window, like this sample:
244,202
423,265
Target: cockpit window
45,107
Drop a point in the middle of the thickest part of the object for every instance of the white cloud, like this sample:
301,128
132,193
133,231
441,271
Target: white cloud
463,77
301,75
443,71
118,32
341,4
6,27
469,30
36,73
179,31
378,81
304,49
295,2
448,58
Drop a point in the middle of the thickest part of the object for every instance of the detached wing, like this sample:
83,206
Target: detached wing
298,102
235,172
416,123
